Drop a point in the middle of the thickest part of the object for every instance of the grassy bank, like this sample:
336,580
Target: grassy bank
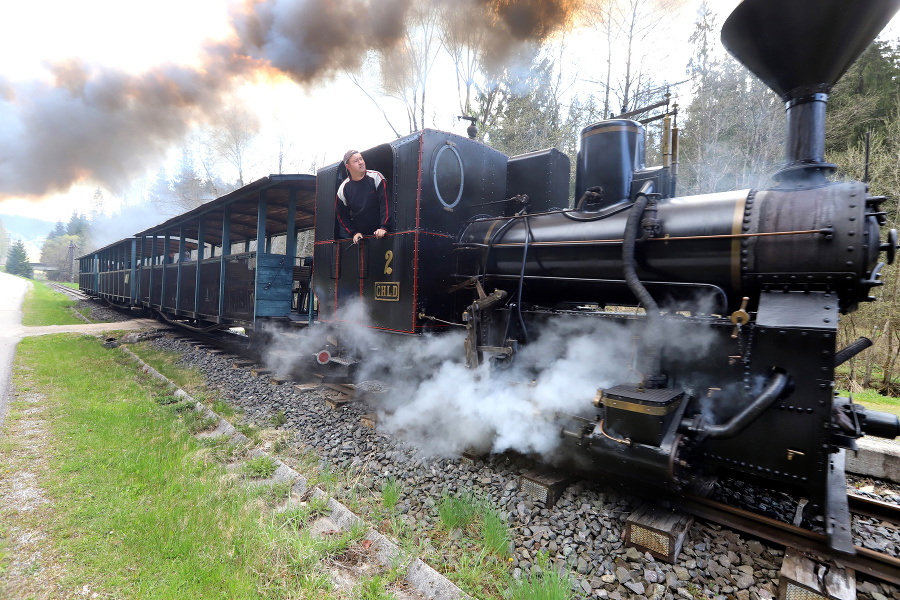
135,507
131,505
43,306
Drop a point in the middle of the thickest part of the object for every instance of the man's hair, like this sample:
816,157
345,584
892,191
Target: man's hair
348,155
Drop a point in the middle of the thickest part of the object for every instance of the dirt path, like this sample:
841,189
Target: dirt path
134,324
12,291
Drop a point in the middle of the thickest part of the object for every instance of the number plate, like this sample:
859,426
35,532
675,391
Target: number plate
388,291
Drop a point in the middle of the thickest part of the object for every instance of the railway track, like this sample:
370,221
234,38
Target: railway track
249,356
71,292
874,564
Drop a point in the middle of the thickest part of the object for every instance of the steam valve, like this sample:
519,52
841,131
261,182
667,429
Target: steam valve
740,317
472,129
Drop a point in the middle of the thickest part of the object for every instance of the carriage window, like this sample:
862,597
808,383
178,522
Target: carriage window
448,176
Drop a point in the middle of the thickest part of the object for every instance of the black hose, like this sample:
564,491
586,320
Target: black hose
654,351
774,388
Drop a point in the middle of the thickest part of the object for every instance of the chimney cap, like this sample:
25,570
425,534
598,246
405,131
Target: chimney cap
796,43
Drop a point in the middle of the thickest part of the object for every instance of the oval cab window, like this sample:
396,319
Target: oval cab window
448,176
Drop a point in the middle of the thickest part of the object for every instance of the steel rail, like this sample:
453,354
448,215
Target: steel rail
876,509
874,564
67,290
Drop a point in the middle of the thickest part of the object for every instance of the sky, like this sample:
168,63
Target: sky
326,114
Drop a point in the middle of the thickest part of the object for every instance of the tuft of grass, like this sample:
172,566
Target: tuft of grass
495,532
250,431
195,422
548,585
43,306
270,494
261,467
457,512
390,493
278,419
223,409
164,400
373,587
300,516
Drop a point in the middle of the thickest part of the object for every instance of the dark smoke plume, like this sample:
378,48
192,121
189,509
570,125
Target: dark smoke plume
533,20
106,126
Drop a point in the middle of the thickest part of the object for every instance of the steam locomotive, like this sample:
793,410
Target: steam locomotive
759,277
721,309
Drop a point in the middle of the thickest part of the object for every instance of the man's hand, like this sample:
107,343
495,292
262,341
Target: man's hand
379,233
357,237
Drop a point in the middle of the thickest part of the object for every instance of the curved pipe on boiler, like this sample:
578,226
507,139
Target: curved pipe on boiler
774,388
654,353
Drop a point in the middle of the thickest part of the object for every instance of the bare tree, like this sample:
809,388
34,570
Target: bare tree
234,131
463,37
358,83
406,66
631,30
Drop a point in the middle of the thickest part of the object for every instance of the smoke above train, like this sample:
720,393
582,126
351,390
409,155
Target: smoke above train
106,126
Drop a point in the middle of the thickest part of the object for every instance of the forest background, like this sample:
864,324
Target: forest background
732,128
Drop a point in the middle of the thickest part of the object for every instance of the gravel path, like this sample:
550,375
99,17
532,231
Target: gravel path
583,531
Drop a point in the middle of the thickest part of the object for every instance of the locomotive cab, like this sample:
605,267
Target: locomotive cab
437,181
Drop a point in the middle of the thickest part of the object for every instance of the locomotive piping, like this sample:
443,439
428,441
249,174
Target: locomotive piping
654,352
774,388
736,230
522,281
848,352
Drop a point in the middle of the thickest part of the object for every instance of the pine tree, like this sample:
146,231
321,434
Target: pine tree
17,261
78,225
59,230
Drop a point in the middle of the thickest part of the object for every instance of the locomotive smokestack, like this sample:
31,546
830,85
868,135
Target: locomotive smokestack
800,49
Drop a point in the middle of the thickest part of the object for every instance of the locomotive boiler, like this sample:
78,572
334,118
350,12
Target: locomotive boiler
761,276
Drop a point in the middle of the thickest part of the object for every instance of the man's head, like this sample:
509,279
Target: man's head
356,166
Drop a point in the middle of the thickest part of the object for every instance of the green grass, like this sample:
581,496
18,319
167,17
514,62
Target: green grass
373,587
43,306
261,467
457,512
300,516
494,532
548,585
135,496
136,509
390,494
190,380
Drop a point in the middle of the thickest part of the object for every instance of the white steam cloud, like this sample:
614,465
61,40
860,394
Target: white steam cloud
444,408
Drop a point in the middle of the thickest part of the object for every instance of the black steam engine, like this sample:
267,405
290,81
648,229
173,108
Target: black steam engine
719,312
760,276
